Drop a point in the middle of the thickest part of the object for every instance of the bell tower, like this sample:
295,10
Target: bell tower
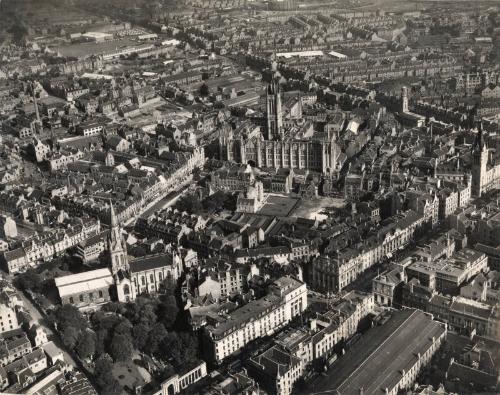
404,99
274,114
116,245
479,163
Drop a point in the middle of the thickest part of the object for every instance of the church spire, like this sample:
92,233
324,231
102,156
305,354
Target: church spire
116,245
113,218
480,143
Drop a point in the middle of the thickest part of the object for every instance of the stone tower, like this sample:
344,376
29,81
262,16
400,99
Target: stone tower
274,113
404,99
116,245
479,163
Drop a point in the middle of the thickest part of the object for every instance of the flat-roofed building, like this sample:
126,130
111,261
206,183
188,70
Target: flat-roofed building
446,275
86,290
387,359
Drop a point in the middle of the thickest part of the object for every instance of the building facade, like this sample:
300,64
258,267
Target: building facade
287,298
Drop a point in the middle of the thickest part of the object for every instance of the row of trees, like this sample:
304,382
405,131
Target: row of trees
191,203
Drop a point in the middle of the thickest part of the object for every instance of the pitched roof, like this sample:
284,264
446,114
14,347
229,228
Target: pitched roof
151,262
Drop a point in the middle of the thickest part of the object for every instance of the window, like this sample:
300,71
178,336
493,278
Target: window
91,295
100,294
81,298
151,278
143,280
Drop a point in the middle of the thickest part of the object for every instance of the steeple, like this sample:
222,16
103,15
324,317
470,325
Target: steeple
113,219
479,163
404,99
116,245
35,104
480,140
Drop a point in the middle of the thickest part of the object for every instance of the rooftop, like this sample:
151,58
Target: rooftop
376,361
83,282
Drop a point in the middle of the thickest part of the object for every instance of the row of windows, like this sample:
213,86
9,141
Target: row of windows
151,279
81,297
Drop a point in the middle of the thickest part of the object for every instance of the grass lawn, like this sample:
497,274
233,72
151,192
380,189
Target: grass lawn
129,375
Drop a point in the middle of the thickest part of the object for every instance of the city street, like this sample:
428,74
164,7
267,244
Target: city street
40,320
163,202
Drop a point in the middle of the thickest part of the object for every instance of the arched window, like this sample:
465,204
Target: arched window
143,280
71,300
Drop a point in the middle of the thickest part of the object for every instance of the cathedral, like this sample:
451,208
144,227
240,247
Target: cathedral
282,142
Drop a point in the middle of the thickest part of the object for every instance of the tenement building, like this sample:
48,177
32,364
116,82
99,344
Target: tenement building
227,334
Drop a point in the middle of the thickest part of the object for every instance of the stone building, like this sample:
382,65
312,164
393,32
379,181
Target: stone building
291,143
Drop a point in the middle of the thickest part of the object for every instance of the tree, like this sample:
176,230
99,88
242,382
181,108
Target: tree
121,348
70,336
171,347
140,333
168,311
190,348
29,281
68,315
218,201
156,336
86,345
148,315
189,203
123,328
103,373
143,310
100,342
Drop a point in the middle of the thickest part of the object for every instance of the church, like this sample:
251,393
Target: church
141,275
123,279
290,142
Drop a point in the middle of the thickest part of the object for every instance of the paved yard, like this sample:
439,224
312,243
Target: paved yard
316,208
